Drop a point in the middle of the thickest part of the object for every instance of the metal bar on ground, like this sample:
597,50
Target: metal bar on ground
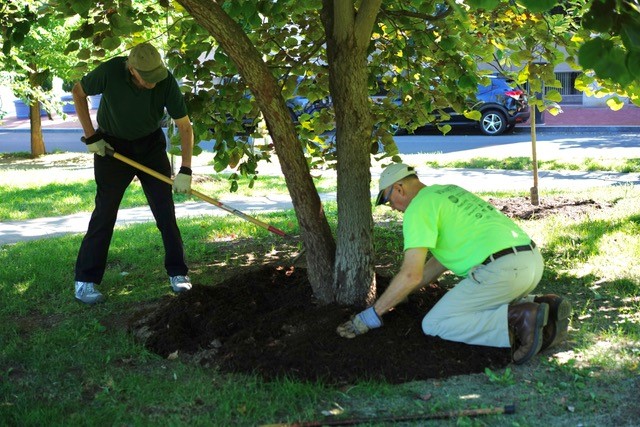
508,409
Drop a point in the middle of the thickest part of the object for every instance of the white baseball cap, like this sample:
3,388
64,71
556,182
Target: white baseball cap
392,174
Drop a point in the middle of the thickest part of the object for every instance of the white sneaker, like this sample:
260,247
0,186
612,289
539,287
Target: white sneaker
86,293
180,283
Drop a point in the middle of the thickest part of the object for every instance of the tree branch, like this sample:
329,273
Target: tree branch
343,19
366,17
417,15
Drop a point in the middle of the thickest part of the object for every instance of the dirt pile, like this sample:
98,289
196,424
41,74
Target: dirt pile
266,321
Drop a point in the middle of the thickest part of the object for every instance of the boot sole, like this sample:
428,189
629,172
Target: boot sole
559,318
542,317
91,302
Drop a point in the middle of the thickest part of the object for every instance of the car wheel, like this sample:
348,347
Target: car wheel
493,122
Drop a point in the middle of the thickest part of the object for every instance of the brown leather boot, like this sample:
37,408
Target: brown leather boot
526,321
557,327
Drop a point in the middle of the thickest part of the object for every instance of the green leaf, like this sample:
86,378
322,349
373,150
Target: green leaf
554,109
536,6
245,107
483,4
17,37
81,7
630,35
220,161
87,31
447,43
590,53
553,95
600,17
473,115
445,129
591,21
72,47
614,103
110,43
467,82
84,54
633,64
234,158
613,66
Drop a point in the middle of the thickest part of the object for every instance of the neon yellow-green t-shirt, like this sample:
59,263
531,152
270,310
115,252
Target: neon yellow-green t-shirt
458,227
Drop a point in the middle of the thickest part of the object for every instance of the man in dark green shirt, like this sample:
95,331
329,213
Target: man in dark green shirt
135,90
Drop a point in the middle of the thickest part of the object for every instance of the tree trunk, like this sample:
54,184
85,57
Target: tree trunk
354,281
348,36
316,233
37,140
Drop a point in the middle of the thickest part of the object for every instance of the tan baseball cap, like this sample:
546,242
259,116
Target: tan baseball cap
148,63
392,174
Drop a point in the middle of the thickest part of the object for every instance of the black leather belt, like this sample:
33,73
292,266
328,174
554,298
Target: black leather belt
509,251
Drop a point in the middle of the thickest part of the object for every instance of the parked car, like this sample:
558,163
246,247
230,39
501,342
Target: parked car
502,104
296,103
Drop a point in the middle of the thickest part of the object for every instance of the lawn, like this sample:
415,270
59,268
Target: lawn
62,363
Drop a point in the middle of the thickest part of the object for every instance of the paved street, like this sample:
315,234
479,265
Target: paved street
561,143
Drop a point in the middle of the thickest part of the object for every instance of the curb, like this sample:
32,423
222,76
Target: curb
542,128
44,130
578,129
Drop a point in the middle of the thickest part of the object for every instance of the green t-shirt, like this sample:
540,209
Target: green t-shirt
127,111
458,227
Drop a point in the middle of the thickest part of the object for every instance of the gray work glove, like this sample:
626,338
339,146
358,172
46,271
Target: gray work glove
360,324
96,144
182,182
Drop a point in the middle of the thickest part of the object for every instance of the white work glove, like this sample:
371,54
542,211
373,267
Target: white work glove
96,144
182,181
360,324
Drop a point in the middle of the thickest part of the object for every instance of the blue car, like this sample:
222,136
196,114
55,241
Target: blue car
502,105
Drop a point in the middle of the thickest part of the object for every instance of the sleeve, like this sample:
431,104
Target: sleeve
419,226
94,82
176,107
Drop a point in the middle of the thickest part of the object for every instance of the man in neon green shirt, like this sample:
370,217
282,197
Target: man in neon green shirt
500,264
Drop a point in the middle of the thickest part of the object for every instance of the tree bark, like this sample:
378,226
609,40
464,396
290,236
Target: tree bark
37,140
316,233
348,35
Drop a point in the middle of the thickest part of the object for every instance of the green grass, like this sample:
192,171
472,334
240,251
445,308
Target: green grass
62,363
45,195
525,163
41,197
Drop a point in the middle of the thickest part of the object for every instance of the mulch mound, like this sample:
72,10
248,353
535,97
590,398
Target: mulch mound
266,322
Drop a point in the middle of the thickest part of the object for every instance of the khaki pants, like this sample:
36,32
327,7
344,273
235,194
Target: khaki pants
475,310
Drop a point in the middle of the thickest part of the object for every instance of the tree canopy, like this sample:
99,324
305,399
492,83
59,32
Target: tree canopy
383,65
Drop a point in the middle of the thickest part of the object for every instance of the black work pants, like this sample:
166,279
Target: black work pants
112,178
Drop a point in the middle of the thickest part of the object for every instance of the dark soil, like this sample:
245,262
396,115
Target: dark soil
266,321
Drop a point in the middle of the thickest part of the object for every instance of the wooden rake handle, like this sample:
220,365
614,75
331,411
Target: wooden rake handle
110,152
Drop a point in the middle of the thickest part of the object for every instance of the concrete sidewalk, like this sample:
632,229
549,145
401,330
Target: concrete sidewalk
472,179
